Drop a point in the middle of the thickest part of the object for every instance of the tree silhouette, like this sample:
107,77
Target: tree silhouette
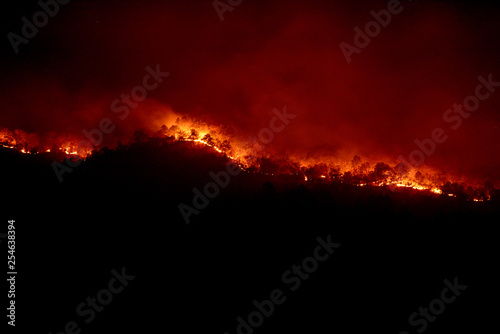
419,177
365,168
355,162
140,136
208,139
382,171
335,172
193,135
225,146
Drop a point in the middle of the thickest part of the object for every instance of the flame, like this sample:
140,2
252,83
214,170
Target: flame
254,157
27,143
244,154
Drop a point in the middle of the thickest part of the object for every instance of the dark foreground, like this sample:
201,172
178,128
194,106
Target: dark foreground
108,251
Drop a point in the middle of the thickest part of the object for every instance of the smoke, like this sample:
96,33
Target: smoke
265,55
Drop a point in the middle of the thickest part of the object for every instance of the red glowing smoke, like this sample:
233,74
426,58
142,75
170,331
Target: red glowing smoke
265,55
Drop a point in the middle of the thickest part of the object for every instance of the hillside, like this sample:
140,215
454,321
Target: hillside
121,206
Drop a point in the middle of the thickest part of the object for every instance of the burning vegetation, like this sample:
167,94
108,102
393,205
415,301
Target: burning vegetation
254,157
30,143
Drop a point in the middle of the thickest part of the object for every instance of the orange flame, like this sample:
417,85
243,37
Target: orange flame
253,157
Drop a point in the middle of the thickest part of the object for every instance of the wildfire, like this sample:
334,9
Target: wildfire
256,159
67,150
27,143
354,172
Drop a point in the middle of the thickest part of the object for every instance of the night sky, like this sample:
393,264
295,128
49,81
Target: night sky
265,55
206,229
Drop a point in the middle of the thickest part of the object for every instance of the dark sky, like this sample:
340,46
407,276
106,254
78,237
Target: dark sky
265,55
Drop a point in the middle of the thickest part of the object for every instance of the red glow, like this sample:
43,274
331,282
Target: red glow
264,55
